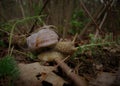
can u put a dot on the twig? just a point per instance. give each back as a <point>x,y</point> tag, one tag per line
<point>62,61</point>
<point>100,26</point>
<point>75,37</point>
<point>85,9</point>
<point>21,7</point>
<point>106,7</point>
<point>10,38</point>
<point>96,16</point>
<point>11,51</point>
<point>4,31</point>
<point>90,22</point>
<point>31,30</point>
<point>12,30</point>
<point>69,72</point>
<point>103,20</point>
<point>22,11</point>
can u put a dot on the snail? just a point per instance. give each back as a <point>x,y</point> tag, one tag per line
<point>46,37</point>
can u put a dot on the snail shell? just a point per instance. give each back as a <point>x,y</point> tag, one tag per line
<point>43,38</point>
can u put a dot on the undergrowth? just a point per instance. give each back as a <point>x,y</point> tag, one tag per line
<point>93,43</point>
<point>11,25</point>
<point>78,21</point>
<point>98,52</point>
<point>9,71</point>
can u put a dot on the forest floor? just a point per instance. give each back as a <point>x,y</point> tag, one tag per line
<point>94,64</point>
<point>98,65</point>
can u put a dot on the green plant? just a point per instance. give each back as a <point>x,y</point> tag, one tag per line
<point>37,7</point>
<point>6,26</point>
<point>93,44</point>
<point>8,67</point>
<point>8,71</point>
<point>10,26</point>
<point>88,47</point>
<point>107,38</point>
<point>78,21</point>
<point>20,21</point>
<point>30,55</point>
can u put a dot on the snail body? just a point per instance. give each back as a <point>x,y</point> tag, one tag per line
<point>65,47</point>
<point>50,56</point>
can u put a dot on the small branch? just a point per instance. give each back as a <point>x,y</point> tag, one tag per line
<point>98,44</point>
<point>4,31</point>
<point>106,7</point>
<point>75,37</point>
<point>105,16</point>
<point>78,81</point>
<point>85,9</point>
<point>10,38</point>
<point>31,30</point>
<point>90,22</point>
<point>100,26</point>
<point>22,11</point>
<point>21,7</point>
